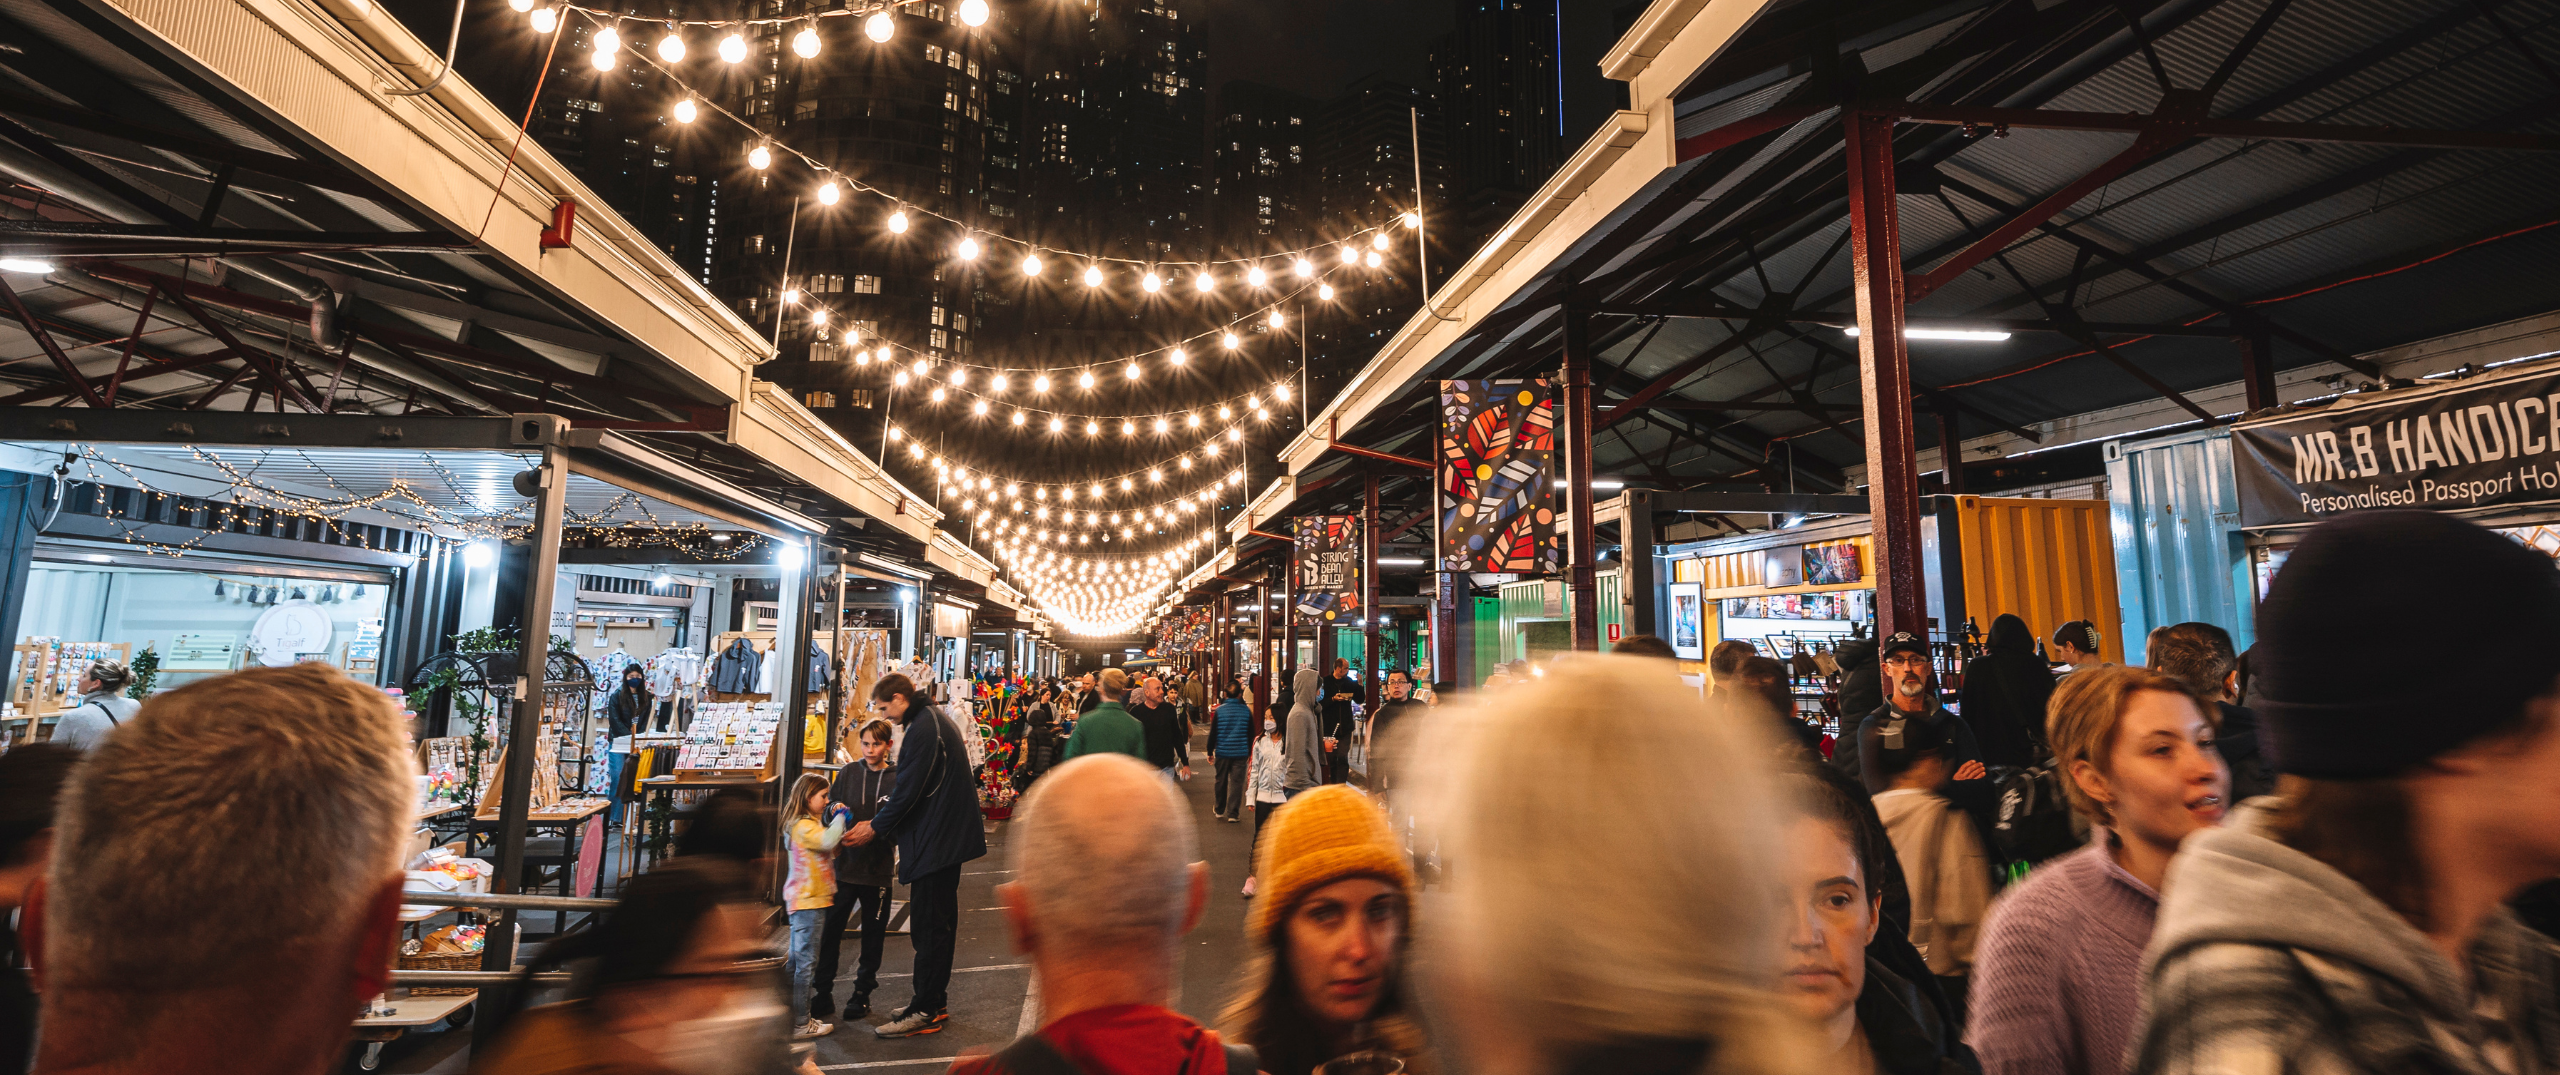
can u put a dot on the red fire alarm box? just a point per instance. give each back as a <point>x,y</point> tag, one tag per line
<point>564,223</point>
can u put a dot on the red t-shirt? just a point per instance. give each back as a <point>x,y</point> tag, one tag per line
<point>1125,1039</point>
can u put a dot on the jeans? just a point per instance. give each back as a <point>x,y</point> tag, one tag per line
<point>933,924</point>
<point>1261,812</point>
<point>617,763</point>
<point>873,902</point>
<point>1230,797</point>
<point>804,954</point>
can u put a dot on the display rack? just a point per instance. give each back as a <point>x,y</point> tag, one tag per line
<point>568,686</point>
<point>728,740</point>
<point>42,675</point>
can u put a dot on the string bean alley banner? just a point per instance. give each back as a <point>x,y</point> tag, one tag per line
<point>1497,495</point>
<point>1328,566</point>
<point>2476,443</point>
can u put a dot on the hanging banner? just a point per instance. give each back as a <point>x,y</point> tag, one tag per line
<point>2478,443</point>
<point>1328,567</point>
<point>1497,498</point>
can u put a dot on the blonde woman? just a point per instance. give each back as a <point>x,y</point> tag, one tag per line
<point>1605,909</point>
<point>2061,959</point>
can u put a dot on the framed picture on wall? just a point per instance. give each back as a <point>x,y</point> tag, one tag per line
<point>1688,622</point>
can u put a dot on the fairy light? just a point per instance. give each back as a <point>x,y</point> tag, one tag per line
<point>671,47</point>
<point>1378,241</point>
<point>1018,419</point>
<point>545,20</point>
<point>1255,277</point>
<point>759,158</point>
<point>1372,260</point>
<point>1040,383</point>
<point>1133,371</point>
<point>829,192</point>
<point>1231,341</point>
<point>1204,283</point>
<point>1304,268</point>
<point>941,394</point>
<point>685,111</point>
<point>1093,276</point>
<point>959,377</point>
<point>1030,264</point>
<point>973,12</point>
<point>1325,292</point>
<point>608,40</point>
<point>1277,321</point>
<point>1177,356</point>
<point>806,41</point>
<point>879,27</point>
<point>898,221</point>
<point>979,408</point>
<point>1057,424</point>
<point>1350,254</point>
<point>1151,283</point>
<point>733,49</point>
<point>999,382</point>
<point>1085,379</point>
<point>968,249</point>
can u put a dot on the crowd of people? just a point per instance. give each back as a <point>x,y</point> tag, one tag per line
<point>1626,878</point>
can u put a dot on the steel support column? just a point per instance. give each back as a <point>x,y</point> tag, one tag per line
<point>1884,375</point>
<point>1581,542</point>
<point>2258,369</point>
<point>1446,592</point>
<point>533,652</point>
<point>799,616</point>
<point>1635,548</point>
<point>1370,613</point>
<point>1262,647</point>
<point>1950,453</point>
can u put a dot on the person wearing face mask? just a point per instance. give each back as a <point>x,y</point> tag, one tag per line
<point>1325,975</point>
<point>626,711</point>
<point>676,986</point>
<point>1267,775</point>
<point>1872,1004</point>
<point>2061,960</point>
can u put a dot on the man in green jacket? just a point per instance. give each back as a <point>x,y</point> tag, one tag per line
<point>1109,729</point>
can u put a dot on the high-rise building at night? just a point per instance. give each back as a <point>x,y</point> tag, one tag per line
<point>1262,176</point>
<point>1496,79</point>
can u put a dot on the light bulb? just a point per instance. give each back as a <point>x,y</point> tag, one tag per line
<point>898,222</point>
<point>545,20</point>
<point>1040,383</point>
<point>879,26</point>
<point>1030,264</point>
<point>1132,369</point>
<point>1371,260</point>
<point>1205,282</point>
<point>1192,420</point>
<point>1151,283</point>
<point>923,367</point>
<point>1280,392</point>
<point>1304,267</point>
<point>733,49</point>
<point>806,42</point>
<point>940,394</point>
<point>900,379</point>
<point>959,376</point>
<point>1378,241</point>
<point>1093,429</point>
<point>1277,320</point>
<point>862,358</point>
<point>1324,291</point>
<point>1412,219</point>
<point>521,5</point>
<point>973,12</point>
<point>1057,424</point>
<point>759,158</point>
<point>1162,425</point>
<point>818,317</point>
<point>998,382</point>
<point>603,60</point>
<point>685,111</point>
<point>1177,356</point>
<point>1128,427</point>
<point>829,193</point>
<point>979,408</point>
<point>1256,277</point>
<point>608,40</point>
<point>1224,412</point>
<point>968,249</point>
<point>1232,341</point>
<point>1018,419</point>
<point>1350,254</point>
<point>671,48</point>
<point>1093,276</point>
<point>1085,379</point>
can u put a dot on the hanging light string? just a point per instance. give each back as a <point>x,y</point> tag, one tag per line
<point>1101,488</point>
<point>1230,338</point>
<point>977,240</point>
<point>1216,422</point>
<point>602,15</point>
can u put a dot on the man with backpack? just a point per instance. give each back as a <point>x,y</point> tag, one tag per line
<point>1903,662</point>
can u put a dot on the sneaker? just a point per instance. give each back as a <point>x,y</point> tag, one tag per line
<point>812,1029</point>
<point>911,1024</point>
<point>822,1006</point>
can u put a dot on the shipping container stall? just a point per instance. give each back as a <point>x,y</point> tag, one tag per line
<point>2174,513</point>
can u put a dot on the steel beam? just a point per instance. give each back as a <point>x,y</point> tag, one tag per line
<point>1262,649</point>
<point>1578,440</point>
<point>2258,370</point>
<point>533,651</point>
<point>1884,376</point>
<point>1722,312</point>
<point>61,362</point>
<point>2051,119</point>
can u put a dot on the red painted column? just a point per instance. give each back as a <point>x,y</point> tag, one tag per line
<point>1884,376</point>
<point>1369,611</point>
<point>1580,550</point>
<point>1262,645</point>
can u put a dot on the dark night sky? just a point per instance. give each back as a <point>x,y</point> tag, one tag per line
<point>1316,47</point>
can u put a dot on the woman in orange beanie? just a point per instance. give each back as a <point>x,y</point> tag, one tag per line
<point>1327,937</point>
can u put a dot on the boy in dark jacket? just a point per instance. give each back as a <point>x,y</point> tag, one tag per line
<point>863,875</point>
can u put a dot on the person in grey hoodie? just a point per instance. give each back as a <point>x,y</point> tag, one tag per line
<point>2354,921</point>
<point>1305,747</point>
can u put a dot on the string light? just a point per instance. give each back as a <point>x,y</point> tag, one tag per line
<point>1277,321</point>
<point>1304,267</point>
<point>1255,277</point>
<point>1151,282</point>
<point>1412,220</point>
<point>685,111</point>
<point>521,5</point>
<point>879,27</point>
<point>1177,356</point>
<point>973,12</point>
<point>1093,276</point>
<point>545,20</point>
<point>1030,264</point>
<point>1372,259</point>
<point>758,158</point>
<point>1379,241</point>
<point>806,42</point>
<point>1325,292</point>
<point>829,193</point>
<point>671,47</point>
<point>1204,283</point>
<point>898,221</point>
<point>733,49</point>
<point>1231,341</point>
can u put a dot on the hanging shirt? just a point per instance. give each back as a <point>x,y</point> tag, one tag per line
<point>775,675</point>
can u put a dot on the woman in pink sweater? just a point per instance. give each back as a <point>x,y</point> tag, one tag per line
<point>2061,960</point>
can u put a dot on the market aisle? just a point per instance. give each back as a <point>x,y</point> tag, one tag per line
<point>990,985</point>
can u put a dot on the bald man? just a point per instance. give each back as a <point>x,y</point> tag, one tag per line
<point>1168,735</point>
<point>1105,886</point>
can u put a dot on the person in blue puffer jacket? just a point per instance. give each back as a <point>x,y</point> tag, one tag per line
<point>1231,741</point>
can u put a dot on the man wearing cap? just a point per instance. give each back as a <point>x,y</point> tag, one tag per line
<point>1903,660</point>
<point>2355,920</point>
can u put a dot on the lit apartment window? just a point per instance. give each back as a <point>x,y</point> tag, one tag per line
<point>866,285</point>
<point>817,400</point>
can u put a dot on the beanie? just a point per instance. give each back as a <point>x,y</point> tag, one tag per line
<point>1317,838</point>
<point>2352,675</point>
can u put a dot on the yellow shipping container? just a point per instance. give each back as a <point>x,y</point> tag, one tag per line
<point>2047,561</point>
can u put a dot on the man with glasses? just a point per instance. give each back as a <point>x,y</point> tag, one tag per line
<point>1911,696</point>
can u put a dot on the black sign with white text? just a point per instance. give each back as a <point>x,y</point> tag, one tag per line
<point>2477,443</point>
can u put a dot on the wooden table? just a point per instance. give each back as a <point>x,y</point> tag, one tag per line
<point>399,1017</point>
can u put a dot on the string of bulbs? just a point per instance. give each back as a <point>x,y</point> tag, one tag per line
<point>880,26</point>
